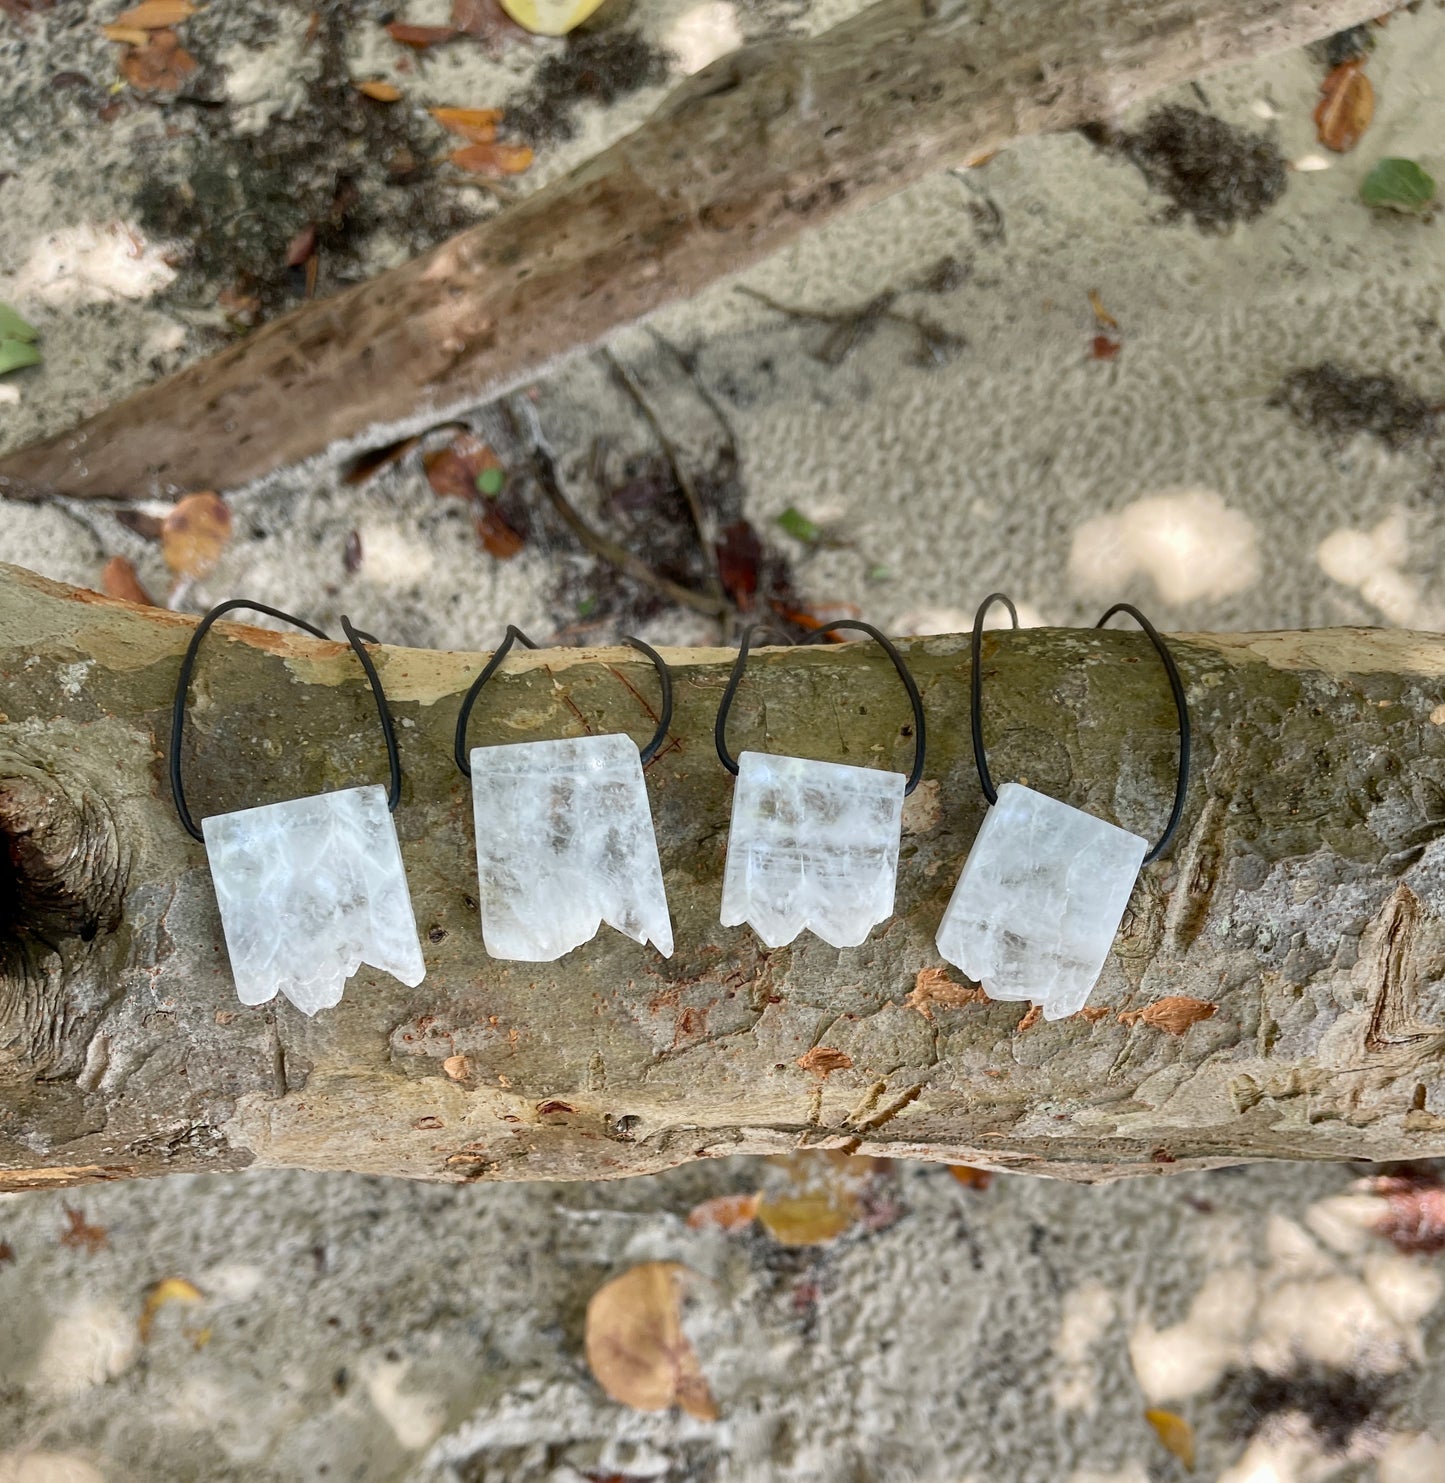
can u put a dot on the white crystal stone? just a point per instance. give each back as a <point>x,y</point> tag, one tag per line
<point>310,890</point>
<point>1041,896</point>
<point>812,844</point>
<point>564,843</point>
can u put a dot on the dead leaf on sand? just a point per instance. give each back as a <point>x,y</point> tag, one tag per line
<point>167,1290</point>
<point>731,1213</point>
<point>195,533</point>
<point>479,125</point>
<point>636,1346</point>
<point>493,159</point>
<point>1175,1433</point>
<point>118,579</point>
<point>161,65</point>
<point>1346,107</point>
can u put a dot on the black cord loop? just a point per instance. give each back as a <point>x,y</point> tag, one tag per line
<point>516,636</point>
<point>920,738</point>
<point>1176,686</point>
<point>183,684</point>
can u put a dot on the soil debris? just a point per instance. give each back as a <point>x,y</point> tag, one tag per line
<point>594,67</point>
<point>1335,1402</point>
<point>1341,404</point>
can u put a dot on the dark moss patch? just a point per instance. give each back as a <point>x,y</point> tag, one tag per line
<point>1211,171</point>
<point>1336,1403</point>
<point>1341,404</point>
<point>595,67</point>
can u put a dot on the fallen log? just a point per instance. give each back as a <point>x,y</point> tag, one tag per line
<point>758,148</point>
<point>1277,989</point>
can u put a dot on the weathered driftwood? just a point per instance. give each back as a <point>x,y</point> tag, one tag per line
<point>1305,899</point>
<point>758,148</point>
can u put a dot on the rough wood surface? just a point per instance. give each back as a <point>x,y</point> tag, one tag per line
<point>759,147</point>
<point>1303,906</point>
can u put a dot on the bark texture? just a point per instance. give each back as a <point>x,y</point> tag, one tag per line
<point>759,147</point>
<point>1304,904</point>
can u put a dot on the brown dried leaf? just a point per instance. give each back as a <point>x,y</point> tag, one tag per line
<point>125,35</point>
<point>1174,1013</point>
<point>934,986</point>
<point>381,91</point>
<point>118,579</point>
<point>160,66</point>
<point>823,1060</point>
<point>497,536</point>
<point>1176,1434</point>
<point>479,125</point>
<point>1346,107</point>
<point>78,1234</point>
<point>1414,1218</point>
<point>739,553</point>
<point>195,533</point>
<point>970,1177</point>
<point>301,246</point>
<point>419,36</point>
<point>1102,317</point>
<point>636,1346</point>
<point>1104,347</point>
<point>155,15</point>
<point>452,471</point>
<point>493,159</point>
<point>167,1290</point>
<point>377,459</point>
<point>731,1213</point>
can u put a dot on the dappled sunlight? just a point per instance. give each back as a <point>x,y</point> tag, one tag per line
<point>1188,542</point>
<point>90,264</point>
<point>703,34</point>
<point>1370,562</point>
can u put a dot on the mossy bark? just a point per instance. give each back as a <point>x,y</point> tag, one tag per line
<point>1304,900</point>
<point>756,149</point>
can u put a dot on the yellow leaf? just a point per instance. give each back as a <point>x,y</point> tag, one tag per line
<point>493,159</point>
<point>814,1196</point>
<point>167,1290</point>
<point>636,1346</point>
<point>156,15</point>
<point>195,533</point>
<point>383,92</point>
<point>479,125</point>
<point>549,17</point>
<point>1176,1434</point>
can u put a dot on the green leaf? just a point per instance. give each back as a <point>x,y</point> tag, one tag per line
<point>1399,185</point>
<point>17,353</point>
<point>799,526</point>
<point>12,327</point>
<point>587,607</point>
<point>490,482</point>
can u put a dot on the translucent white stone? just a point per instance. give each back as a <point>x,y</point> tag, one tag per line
<point>812,844</point>
<point>310,890</point>
<point>1041,896</point>
<point>564,843</point>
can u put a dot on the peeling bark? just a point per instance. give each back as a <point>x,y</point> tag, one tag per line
<point>759,147</point>
<point>1305,902</point>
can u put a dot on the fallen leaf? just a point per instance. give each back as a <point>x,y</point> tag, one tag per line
<point>155,15</point>
<point>731,1213</point>
<point>1346,107</point>
<point>301,246</point>
<point>814,1196</point>
<point>351,553</point>
<point>118,579</point>
<point>479,125</point>
<point>419,36</point>
<point>971,1178</point>
<point>493,159</point>
<point>160,66</point>
<point>78,1234</point>
<point>486,21</point>
<point>195,533</point>
<point>497,536</point>
<point>934,986</point>
<point>377,459</point>
<point>457,1067</point>
<point>382,92</point>
<point>167,1290</point>
<point>739,553</point>
<point>17,341</point>
<point>1399,185</point>
<point>1102,317</point>
<point>823,1060</point>
<point>1174,1014</point>
<point>799,526</point>
<point>452,471</point>
<point>1176,1434</point>
<point>125,35</point>
<point>636,1346</point>
<point>1414,1218</point>
<point>7,1253</point>
<point>1104,347</point>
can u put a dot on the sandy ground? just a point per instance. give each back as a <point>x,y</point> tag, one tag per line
<point>355,1329</point>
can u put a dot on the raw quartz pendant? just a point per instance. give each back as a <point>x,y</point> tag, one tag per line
<point>564,843</point>
<point>310,890</point>
<point>812,844</point>
<point>1041,896</point>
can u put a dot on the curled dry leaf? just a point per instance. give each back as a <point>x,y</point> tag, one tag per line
<point>479,125</point>
<point>452,471</point>
<point>636,1346</point>
<point>1345,108</point>
<point>934,986</point>
<point>493,159</point>
<point>731,1213</point>
<point>1175,1433</point>
<point>380,91</point>
<point>419,36</point>
<point>167,1290</point>
<point>1173,1014</point>
<point>160,66</point>
<point>971,1178</point>
<point>155,15</point>
<point>195,533</point>
<point>823,1060</point>
<point>1414,1216</point>
<point>813,1196</point>
<point>1102,317</point>
<point>118,579</point>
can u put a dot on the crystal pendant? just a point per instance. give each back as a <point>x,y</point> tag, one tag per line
<point>1041,896</point>
<point>564,843</point>
<point>310,890</point>
<point>812,844</point>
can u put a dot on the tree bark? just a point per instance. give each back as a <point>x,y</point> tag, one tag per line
<point>1303,905</point>
<point>759,147</point>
